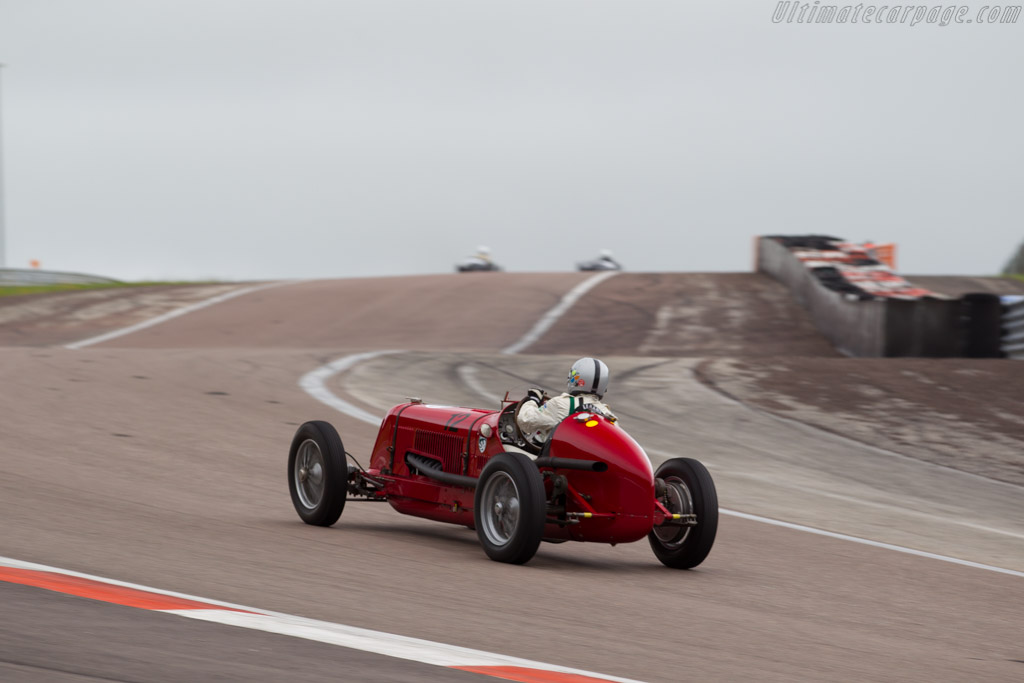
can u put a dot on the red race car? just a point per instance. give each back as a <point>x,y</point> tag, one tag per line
<point>589,482</point>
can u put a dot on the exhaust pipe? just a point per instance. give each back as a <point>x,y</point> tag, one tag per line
<point>429,467</point>
<point>572,464</point>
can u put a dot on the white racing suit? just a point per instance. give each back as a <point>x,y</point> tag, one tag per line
<point>536,422</point>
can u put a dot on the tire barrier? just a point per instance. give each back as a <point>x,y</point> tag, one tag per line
<point>880,314</point>
<point>1011,341</point>
<point>849,268</point>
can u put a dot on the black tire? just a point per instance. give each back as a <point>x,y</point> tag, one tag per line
<point>689,489</point>
<point>510,479</point>
<point>317,473</point>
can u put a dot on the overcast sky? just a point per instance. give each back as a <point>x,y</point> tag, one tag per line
<point>185,139</point>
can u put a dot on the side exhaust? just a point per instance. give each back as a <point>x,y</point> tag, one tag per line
<point>431,468</point>
<point>572,464</point>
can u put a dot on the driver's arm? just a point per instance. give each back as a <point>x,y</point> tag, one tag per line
<point>542,417</point>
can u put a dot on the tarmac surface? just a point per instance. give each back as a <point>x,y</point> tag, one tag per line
<point>159,458</point>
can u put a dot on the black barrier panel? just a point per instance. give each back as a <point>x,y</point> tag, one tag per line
<point>816,242</point>
<point>982,316</point>
<point>923,328</point>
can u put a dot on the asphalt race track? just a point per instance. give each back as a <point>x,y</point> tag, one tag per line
<point>158,458</point>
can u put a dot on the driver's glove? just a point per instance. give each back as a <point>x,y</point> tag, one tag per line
<point>535,395</point>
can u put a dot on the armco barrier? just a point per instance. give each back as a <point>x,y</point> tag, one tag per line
<point>1013,327</point>
<point>26,277</point>
<point>871,328</point>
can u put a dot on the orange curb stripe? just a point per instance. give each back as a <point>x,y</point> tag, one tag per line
<point>524,675</point>
<point>105,592</point>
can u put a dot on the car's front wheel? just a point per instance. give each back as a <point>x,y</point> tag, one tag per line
<point>688,490</point>
<point>510,508</point>
<point>317,473</point>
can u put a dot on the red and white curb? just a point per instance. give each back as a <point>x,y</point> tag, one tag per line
<point>378,642</point>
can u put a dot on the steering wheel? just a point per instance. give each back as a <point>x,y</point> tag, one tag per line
<point>509,431</point>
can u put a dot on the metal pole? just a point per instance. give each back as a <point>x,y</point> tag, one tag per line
<point>3,204</point>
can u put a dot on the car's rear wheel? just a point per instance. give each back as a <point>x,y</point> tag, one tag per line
<point>317,473</point>
<point>689,490</point>
<point>509,508</point>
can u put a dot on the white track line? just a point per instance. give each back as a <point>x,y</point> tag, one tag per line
<point>314,383</point>
<point>378,642</point>
<point>468,375</point>
<point>931,516</point>
<point>552,316</point>
<point>864,541</point>
<point>173,314</point>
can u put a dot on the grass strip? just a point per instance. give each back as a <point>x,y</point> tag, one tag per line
<point>19,290</point>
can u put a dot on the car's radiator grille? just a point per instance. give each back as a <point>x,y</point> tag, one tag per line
<point>448,447</point>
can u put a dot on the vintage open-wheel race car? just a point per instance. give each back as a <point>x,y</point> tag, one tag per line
<point>590,481</point>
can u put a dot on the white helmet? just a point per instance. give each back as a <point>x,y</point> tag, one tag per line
<point>588,376</point>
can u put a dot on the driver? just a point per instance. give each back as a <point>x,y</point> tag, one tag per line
<point>588,380</point>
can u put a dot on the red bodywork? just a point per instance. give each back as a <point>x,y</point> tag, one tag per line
<point>617,505</point>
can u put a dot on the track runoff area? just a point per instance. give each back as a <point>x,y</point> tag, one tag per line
<point>413,649</point>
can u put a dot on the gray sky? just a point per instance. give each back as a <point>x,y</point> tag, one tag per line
<point>265,139</point>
